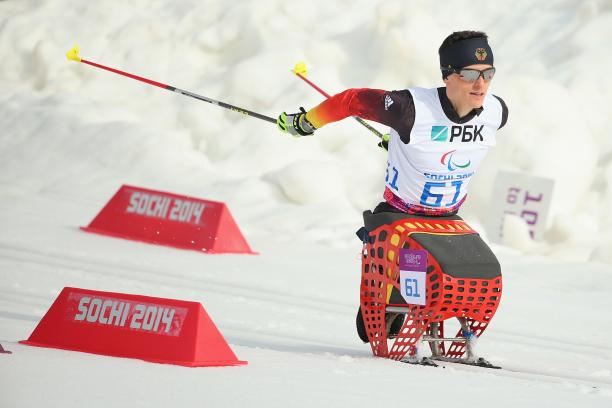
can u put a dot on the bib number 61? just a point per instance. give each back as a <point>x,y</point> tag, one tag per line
<point>433,199</point>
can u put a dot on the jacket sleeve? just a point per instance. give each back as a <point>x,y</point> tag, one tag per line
<point>392,108</point>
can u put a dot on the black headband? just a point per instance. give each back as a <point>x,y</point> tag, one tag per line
<point>466,52</point>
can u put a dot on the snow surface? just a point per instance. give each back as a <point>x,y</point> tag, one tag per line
<point>70,135</point>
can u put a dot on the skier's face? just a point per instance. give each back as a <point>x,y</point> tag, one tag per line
<point>464,94</point>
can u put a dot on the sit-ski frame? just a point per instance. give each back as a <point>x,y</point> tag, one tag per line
<point>434,343</point>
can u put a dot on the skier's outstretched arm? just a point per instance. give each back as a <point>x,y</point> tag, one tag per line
<point>392,108</point>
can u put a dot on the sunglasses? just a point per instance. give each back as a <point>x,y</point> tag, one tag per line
<point>472,75</point>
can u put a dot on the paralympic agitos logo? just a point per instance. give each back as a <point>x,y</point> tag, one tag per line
<point>467,133</point>
<point>454,162</point>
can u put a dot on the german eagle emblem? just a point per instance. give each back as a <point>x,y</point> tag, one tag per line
<point>481,54</point>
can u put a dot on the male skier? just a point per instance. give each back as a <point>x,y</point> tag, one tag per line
<point>438,136</point>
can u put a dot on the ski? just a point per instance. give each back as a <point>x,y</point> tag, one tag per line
<point>434,362</point>
<point>425,361</point>
<point>479,362</point>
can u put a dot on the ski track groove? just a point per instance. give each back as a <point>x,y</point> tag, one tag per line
<point>15,297</point>
<point>255,336</point>
<point>593,350</point>
<point>10,293</point>
<point>530,374</point>
<point>19,316</point>
<point>177,281</point>
<point>548,339</point>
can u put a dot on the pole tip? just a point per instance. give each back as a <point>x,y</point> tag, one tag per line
<point>73,54</point>
<point>300,68</point>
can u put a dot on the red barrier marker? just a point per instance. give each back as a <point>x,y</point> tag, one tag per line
<point>133,326</point>
<point>170,219</point>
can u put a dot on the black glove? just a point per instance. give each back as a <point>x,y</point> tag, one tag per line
<point>295,124</point>
<point>384,142</point>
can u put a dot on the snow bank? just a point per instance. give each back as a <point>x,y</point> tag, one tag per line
<point>65,124</point>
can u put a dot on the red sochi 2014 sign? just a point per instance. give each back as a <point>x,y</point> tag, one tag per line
<point>170,219</point>
<point>117,324</point>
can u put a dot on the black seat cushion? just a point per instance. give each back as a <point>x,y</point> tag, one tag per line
<point>460,256</point>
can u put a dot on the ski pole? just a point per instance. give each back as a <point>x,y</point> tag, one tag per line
<point>73,55</point>
<point>300,71</point>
